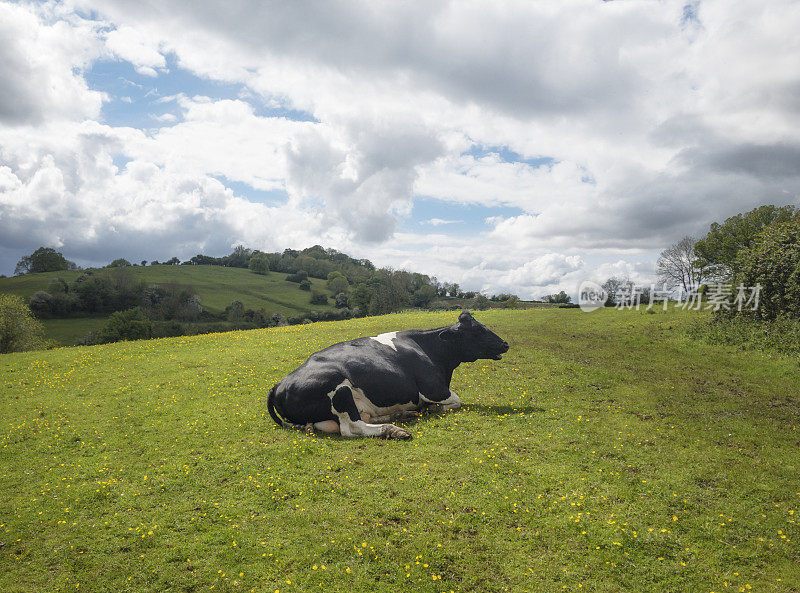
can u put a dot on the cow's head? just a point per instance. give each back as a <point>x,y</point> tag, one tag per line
<point>473,339</point>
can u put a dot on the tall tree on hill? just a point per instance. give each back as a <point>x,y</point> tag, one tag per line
<point>44,259</point>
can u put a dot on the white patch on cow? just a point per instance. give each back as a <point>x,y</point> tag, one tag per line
<point>348,427</point>
<point>451,403</point>
<point>367,409</point>
<point>359,428</point>
<point>386,339</point>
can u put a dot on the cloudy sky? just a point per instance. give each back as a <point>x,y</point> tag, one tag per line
<point>520,146</point>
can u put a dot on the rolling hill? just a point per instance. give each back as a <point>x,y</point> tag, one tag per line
<point>216,286</point>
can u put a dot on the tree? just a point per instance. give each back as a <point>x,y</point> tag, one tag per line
<point>119,263</point>
<point>481,302</point>
<point>259,263</point>
<point>174,261</point>
<point>143,263</point>
<point>716,252</point>
<point>512,302</point>
<point>341,301</point>
<point>44,259</point>
<point>132,324</point>
<point>18,329</point>
<point>298,276</point>
<point>234,311</point>
<point>676,266</point>
<point>612,287</point>
<point>773,262</point>
<point>559,297</point>
<point>240,258</point>
<point>360,297</point>
<point>305,285</point>
<point>423,296</point>
<point>318,297</point>
<point>338,283</point>
<point>454,288</point>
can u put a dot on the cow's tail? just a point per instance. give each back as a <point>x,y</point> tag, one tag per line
<point>272,412</point>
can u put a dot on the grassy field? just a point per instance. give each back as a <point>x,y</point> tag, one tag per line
<point>217,287</point>
<point>605,452</point>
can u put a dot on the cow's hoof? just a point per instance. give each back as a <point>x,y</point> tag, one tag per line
<point>309,428</point>
<point>390,431</point>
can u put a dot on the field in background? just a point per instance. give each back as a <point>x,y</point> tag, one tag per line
<point>605,452</point>
<point>217,287</point>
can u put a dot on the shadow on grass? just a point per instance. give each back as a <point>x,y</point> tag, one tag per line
<point>425,415</point>
<point>500,410</point>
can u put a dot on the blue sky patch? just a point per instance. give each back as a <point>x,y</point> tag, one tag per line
<point>507,155</point>
<point>134,97</point>
<point>273,197</point>
<point>461,219</point>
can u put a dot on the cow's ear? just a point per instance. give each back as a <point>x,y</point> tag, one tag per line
<point>466,318</point>
<point>448,334</point>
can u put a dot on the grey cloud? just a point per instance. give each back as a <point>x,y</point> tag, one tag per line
<point>19,97</point>
<point>518,61</point>
<point>765,161</point>
<point>360,185</point>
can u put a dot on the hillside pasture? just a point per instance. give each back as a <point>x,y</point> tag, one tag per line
<point>216,286</point>
<point>605,452</point>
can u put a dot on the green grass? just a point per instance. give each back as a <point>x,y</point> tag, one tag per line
<point>605,452</point>
<point>217,287</point>
<point>67,332</point>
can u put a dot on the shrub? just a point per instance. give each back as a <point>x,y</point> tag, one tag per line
<point>305,285</point>
<point>341,301</point>
<point>481,303</point>
<point>298,276</point>
<point>41,304</point>
<point>132,324</point>
<point>748,333</point>
<point>318,298</point>
<point>559,297</point>
<point>773,262</point>
<point>423,295</point>
<point>234,311</point>
<point>19,330</point>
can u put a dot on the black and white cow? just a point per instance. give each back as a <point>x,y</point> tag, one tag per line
<point>352,387</point>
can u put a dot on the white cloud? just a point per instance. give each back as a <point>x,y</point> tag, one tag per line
<point>655,125</point>
<point>40,65</point>
<point>138,48</point>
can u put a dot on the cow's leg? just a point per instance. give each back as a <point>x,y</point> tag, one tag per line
<point>453,402</point>
<point>328,426</point>
<point>350,423</point>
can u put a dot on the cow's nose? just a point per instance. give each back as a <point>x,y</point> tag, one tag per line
<point>505,346</point>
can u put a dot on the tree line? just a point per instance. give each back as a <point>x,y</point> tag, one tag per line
<point>756,248</point>
<point>355,288</point>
